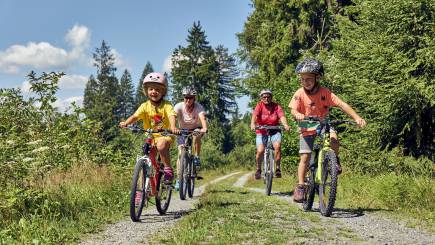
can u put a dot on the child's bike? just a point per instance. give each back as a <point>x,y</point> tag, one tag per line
<point>187,169</point>
<point>322,174</point>
<point>148,177</point>
<point>269,157</point>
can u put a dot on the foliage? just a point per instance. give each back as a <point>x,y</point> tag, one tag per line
<point>37,141</point>
<point>126,98</point>
<point>102,94</point>
<point>383,62</point>
<point>139,95</point>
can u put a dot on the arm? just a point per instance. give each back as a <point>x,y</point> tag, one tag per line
<point>253,121</point>
<point>203,123</point>
<point>172,124</point>
<point>283,121</point>
<point>130,120</point>
<point>349,111</point>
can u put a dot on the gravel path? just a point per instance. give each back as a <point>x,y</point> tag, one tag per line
<point>128,232</point>
<point>370,227</point>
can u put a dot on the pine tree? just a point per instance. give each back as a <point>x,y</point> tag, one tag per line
<point>104,104</point>
<point>126,95</point>
<point>139,96</point>
<point>194,65</point>
<point>225,105</point>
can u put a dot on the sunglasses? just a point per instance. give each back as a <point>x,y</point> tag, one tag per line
<point>189,98</point>
<point>266,97</point>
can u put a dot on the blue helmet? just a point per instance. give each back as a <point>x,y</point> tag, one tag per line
<point>310,66</point>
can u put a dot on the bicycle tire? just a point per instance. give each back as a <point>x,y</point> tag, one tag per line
<point>310,190</point>
<point>183,172</point>
<point>191,183</point>
<point>269,172</point>
<point>138,186</point>
<point>164,193</point>
<point>328,185</point>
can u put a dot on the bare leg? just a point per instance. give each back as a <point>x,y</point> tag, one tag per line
<point>302,169</point>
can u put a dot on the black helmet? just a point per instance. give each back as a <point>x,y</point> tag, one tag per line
<point>310,66</point>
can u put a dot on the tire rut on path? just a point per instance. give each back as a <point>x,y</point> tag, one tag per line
<point>128,232</point>
<point>372,228</point>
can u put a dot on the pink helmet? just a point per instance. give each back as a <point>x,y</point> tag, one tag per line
<point>156,78</point>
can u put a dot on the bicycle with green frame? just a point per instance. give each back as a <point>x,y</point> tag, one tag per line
<point>322,174</point>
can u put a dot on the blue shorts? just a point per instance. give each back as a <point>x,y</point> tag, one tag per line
<point>262,139</point>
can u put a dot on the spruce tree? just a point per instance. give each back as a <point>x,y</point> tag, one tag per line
<point>104,106</point>
<point>126,95</point>
<point>139,95</point>
<point>194,65</point>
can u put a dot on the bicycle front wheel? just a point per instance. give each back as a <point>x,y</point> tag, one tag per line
<point>268,171</point>
<point>328,185</point>
<point>192,175</point>
<point>183,179</point>
<point>138,194</point>
<point>164,193</point>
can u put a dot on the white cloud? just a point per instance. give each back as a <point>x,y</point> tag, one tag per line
<point>119,61</point>
<point>25,87</point>
<point>78,36</point>
<point>43,55</point>
<point>167,64</point>
<point>65,104</point>
<point>72,82</point>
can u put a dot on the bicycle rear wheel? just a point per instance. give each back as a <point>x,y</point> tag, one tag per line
<point>328,185</point>
<point>138,194</point>
<point>183,179</point>
<point>268,171</point>
<point>191,183</point>
<point>164,193</point>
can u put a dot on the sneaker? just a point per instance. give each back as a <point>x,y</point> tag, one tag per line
<point>177,186</point>
<point>138,198</point>
<point>278,173</point>
<point>197,163</point>
<point>169,174</point>
<point>298,194</point>
<point>258,174</point>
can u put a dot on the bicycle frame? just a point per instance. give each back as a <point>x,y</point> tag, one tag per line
<point>267,152</point>
<point>324,146</point>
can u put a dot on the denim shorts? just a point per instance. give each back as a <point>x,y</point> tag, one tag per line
<point>262,139</point>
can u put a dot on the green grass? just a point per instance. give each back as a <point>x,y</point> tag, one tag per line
<point>72,203</point>
<point>230,215</point>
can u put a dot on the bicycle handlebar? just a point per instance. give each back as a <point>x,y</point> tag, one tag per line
<point>136,129</point>
<point>268,127</point>
<point>312,119</point>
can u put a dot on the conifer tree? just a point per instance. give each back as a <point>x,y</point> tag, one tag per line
<point>139,95</point>
<point>194,65</point>
<point>104,104</point>
<point>126,95</point>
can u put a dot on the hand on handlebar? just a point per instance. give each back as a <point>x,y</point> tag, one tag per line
<point>123,124</point>
<point>175,130</point>
<point>299,117</point>
<point>361,122</point>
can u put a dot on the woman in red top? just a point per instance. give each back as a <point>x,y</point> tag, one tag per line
<point>269,113</point>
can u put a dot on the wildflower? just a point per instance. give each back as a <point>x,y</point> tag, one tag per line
<point>41,149</point>
<point>34,142</point>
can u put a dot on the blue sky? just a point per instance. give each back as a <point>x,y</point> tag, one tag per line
<point>53,35</point>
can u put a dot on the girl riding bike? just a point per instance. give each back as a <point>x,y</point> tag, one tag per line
<point>157,113</point>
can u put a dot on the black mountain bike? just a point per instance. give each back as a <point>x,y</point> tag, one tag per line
<point>187,171</point>
<point>269,157</point>
<point>322,174</point>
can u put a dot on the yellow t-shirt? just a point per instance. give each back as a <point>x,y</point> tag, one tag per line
<point>155,117</point>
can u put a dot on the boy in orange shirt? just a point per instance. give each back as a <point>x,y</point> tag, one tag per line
<point>313,100</point>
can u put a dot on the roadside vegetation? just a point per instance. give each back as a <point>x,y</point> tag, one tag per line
<point>67,173</point>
